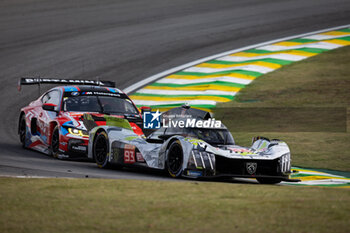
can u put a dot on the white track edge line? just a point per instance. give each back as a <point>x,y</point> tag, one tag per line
<point>153,78</point>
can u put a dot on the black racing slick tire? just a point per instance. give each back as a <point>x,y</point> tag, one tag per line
<point>55,142</point>
<point>174,163</point>
<point>100,150</point>
<point>22,130</point>
<point>268,180</point>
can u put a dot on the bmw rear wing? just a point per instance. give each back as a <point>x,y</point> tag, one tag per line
<point>38,81</point>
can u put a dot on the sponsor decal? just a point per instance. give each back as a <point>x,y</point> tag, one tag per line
<point>242,151</point>
<point>74,93</point>
<point>139,157</point>
<point>251,167</point>
<point>101,93</point>
<point>239,150</point>
<point>194,141</point>
<point>129,154</point>
<point>194,173</point>
<point>68,81</point>
<point>80,148</point>
<point>197,142</point>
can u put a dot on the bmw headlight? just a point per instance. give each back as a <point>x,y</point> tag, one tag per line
<point>78,132</point>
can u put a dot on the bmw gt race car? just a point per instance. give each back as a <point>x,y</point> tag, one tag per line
<point>191,152</point>
<point>53,124</point>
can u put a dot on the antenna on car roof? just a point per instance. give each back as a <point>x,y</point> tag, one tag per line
<point>98,80</point>
<point>186,106</point>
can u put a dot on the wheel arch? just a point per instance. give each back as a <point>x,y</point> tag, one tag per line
<point>171,141</point>
<point>19,120</point>
<point>168,144</point>
<point>53,124</point>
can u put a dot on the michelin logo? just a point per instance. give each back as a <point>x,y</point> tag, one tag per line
<point>151,120</point>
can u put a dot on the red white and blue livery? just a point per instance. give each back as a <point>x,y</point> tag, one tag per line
<point>53,123</point>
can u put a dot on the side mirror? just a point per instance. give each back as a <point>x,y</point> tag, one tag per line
<point>49,107</point>
<point>145,109</point>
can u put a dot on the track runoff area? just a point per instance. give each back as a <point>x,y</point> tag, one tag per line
<point>208,81</point>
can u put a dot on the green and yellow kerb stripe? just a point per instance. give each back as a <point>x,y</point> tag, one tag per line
<point>219,80</point>
<point>318,177</point>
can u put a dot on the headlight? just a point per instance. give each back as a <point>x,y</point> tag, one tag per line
<point>285,162</point>
<point>201,160</point>
<point>78,132</point>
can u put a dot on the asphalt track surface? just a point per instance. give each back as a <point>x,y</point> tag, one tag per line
<point>127,41</point>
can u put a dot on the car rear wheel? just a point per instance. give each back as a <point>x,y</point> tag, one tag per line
<point>268,180</point>
<point>175,159</point>
<point>22,130</point>
<point>100,150</point>
<point>55,142</point>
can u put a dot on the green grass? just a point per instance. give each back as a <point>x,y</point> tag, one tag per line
<point>315,140</point>
<point>96,205</point>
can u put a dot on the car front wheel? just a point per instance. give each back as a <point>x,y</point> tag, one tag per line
<point>175,159</point>
<point>100,150</point>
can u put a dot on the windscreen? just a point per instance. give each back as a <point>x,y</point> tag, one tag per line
<point>211,136</point>
<point>101,104</point>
